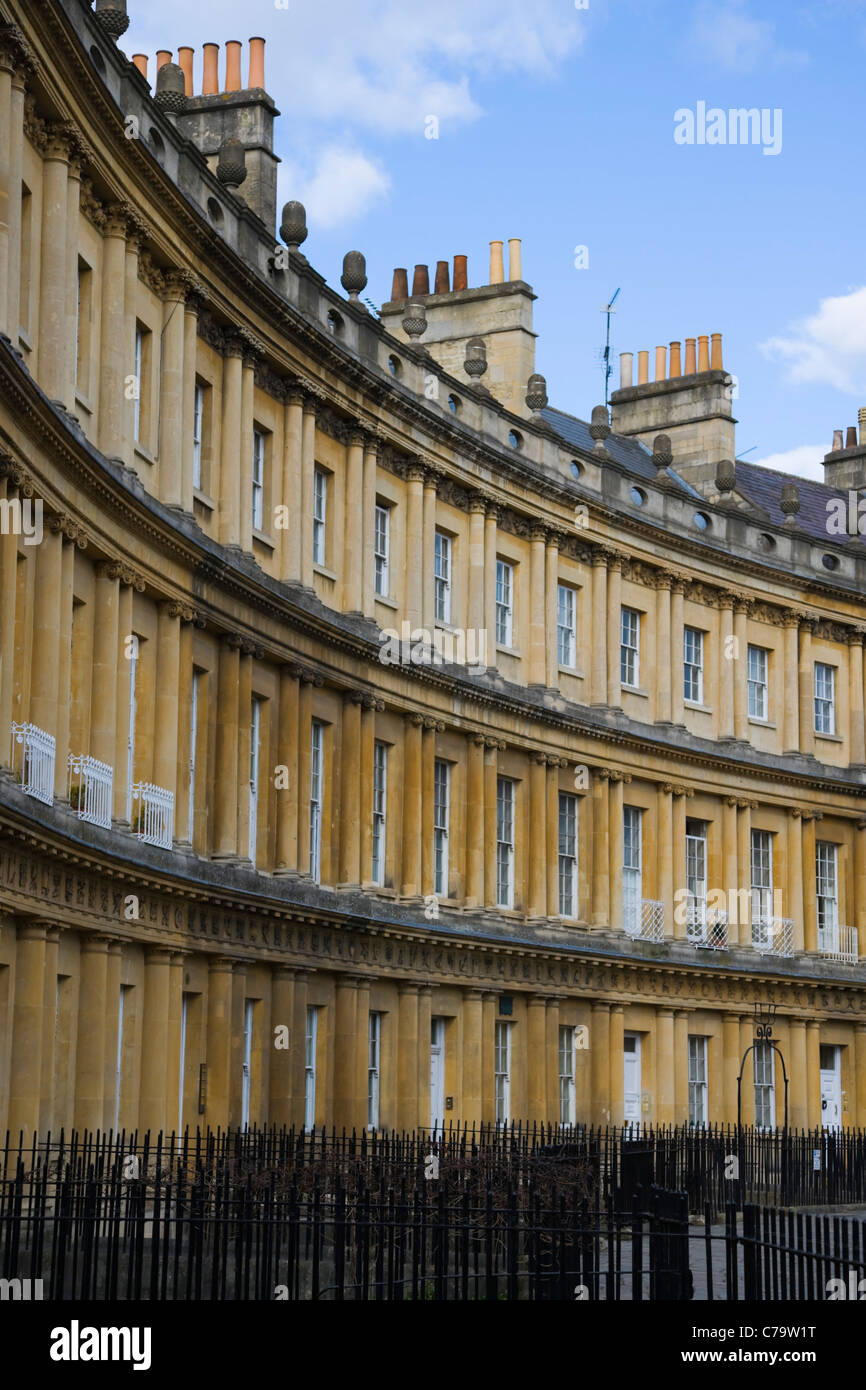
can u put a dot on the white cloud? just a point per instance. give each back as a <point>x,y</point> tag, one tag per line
<point>803,462</point>
<point>725,32</point>
<point>829,347</point>
<point>341,187</point>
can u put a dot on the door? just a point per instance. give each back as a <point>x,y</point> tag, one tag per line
<point>248,1057</point>
<point>631,1079</point>
<point>831,1088</point>
<point>437,1073</point>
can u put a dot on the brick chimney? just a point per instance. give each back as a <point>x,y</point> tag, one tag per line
<point>691,404</point>
<point>845,465</point>
<point>500,312</point>
<point>238,112</point>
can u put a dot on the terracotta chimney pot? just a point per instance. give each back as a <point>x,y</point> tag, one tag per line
<point>420,281</point>
<point>661,364</point>
<point>233,65</point>
<point>257,63</point>
<point>716,354</point>
<point>837,441</point>
<point>140,61</point>
<point>184,58</point>
<point>626,369</point>
<point>497,271</point>
<point>691,368</point>
<point>851,437</point>
<point>400,284</point>
<point>461,274</point>
<point>703,353</point>
<point>163,56</point>
<point>642,368</point>
<point>441,285</point>
<point>210,84</point>
<point>515,271</point>
<point>676,367</point>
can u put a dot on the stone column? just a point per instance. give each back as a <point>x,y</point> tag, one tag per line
<point>731,1057</point>
<point>552,1030</point>
<point>362,1043</point>
<point>490,547</point>
<point>287,780</point>
<point>599,1043</point>
<point>538,833</point>
<point>799,1087</point>
<point>860,883</point>
<point>183,831</point>
<point>411,866</point>
<point>414,544</point>
<point>252,353</point>
<point>664,836</point>
<point>47,601</point>
<point>219,1040</point>
<point>350,769</point>
<point>353,544</point>
<point>488,1045</point>
<point>616,847</point>
<point>742,608</point>
<point>617,1064</point>
<point>174,1079</point>
<point>681,1066</point>
<point>678,854</point>
<point>491,775</point>
<point>537,607</point>
<point>600,636</point>
<point>428,773</point>
<point>171,414</point>
<point>347,1044</point>
<point>305,735</point>
<point>536,1071</point>
<point>232,458</point>
<point>369,705</point>
<point>8,56</point>
<point>25,1072</point>
<point>407,1057</point>
<point>747,1110</point>
<point>114,363</point>
<point>552,843</point>
<point>730,859</point>
<point>665,1064</point>
<point>795,875</point>
<point>103,697</point>
<point>614,630</point>
<point>225,839</point>
<point>112,1113</point>
<point>678,588</point>
<point>154,1055</point>
<point>813,1074</point>
<point>51,372</point>
<point>8,585</point>
<point>664,664</point>
<point>470,1110</point>
<point>244,740</point>
<point>475,821</point>
<point>551,610</point>
<point>298,1050</point>
<point>857,747</point>
<point>123,773</point>
<point>601,847</point>
<point>195,298</point>
<point>428,552</point>
<point>308,482</point>
<point>167,690</point>
<point>476,564</point>
<point>49,1015</point>
<point>64,668</point>
<point>860,1073</point>
<point>90,1053</point>
<point>135,238</point>
<point>742,931</point>
<point>21,69</point>
<point>790,671</point>
<point>810,907</point>
<point>371,462</point>
<point>807,688</point>
<point>290,489</point>
<point>425,1011</point>
<point>731,661</point>
<point>280,1089</point>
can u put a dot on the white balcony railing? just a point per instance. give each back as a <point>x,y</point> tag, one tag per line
<point>706,927</point>
<point>838,943</point>
<point>644,920</point>
<point>154,823</point>
<point>90,789</point>
<point>773,936</point>
<point>37,761</point>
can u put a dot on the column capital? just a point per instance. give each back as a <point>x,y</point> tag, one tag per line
<point>60,523</point>
<point>855,636</point>
<point>413,718</point>
<point>158,955</point>
<point>408,986</point>
<point>478,502</point>
<point>431,724</point>
<point>177,608</point>
<point>220,965</point>
<point>678,584</point>
<point>416,471</point>
<point>790,617</point>
<point>16,55</point>
<point>497,743</point>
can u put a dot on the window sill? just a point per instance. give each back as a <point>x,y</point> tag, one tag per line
<point>829,738</point>
<point>85,402</point>
<point>202,497</point>
<point>509,651</point>
<point>635,690</point>
<point>24,339</point>
<point>697,706</point>
<point>762,723</point>
<point>572,671</point>
<point>387,601</point>
<point>264,540</point>
<point>143,453</point>
<point>325,573</point>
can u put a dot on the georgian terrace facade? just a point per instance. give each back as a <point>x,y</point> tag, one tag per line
<point>372,755</point>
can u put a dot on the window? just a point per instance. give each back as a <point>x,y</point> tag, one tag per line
<point>565,625</point>
<point>765,1088</point>
<point>696,879</point>
<point>567,1108</point>
<point>697,1080</point>
<point>632,872</point>
<point>762,887</point>
<point>826,888</point>
<point>247,1063</point>
<point>504,842</point>
<point>373,1063</point>
<point>141,400</point>
<point>693,665</point>
<point>132,645</point>
<point>758,683</point>
<point>255,739</point>
<point>258,479</point>
<point>629,661</point>
<point>502,1072</point>
<point>197,434</point>
<point>320,503</point>
<point>442,577</point>
<point>83,310</point>
<point>567,855</point>
<point>26,268</point>
<point>310,1040</point>
<point>184,1026</point>
<point>316,760</point>
<point>118,1069</point>
<point>382,548</point>
<point>441,816</point>
<point>825,698</point>
<point>193,741</point>
<point>504,603</point>
<point>380,791</point>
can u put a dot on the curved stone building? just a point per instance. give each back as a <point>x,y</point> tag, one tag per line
<point>380,745</point>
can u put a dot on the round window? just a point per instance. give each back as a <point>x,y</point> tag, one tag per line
<point>702,521</point>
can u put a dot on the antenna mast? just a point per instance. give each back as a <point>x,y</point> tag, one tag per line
<point>608,309</point>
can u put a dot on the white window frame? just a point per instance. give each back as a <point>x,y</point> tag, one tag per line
<point>697,1073</point>
<point>764,1074</point>
<point>758,681</point>
<point>139,366</point>
<point>827,886</point>
<point>255,760</point>
<point>441,825</point>
<point>197,434</point>
<point>693,665</point>
<point>382,550</point>
<point>502,1071</point>
<point>629,652</point>
<point>374,1063</point>
<point>761,885</point>
<point>380,810</point>
<point>317,764</point>
<point>632,868</point>
<point>258,466</point>
<point>505,807</point>
<point>320,515</point>
<point>193,741</point>
<point>443,554</point>
<point>247,1063</point>
<point>567,855</point>
<point>566,625</point>
<point>504,604</point>
<point>696,879</point>
<point>130,737</point>
<point>567,1088</point>
<point>825,698</point>
<point>311,1037</point>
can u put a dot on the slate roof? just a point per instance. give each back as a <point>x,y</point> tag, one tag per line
<point>764,487</point>
<point>631,454</point>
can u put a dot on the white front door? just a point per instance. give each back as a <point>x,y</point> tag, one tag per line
<point>831,1088</point>
<point>437,1073</point>
<point>631,1079</point>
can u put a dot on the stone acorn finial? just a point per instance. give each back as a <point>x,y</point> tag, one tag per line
<point>232,167</point>
<point>536,393</point>
<point>663,454</point>
<point>475,363</point>
<point>112,18</point>
<point>354,276</point>
<point>293,227</point>
<point>170,95</point>
<point>599,427</point>
<point>414,320</point>
<point>726,475</point>
<point>790,503</point>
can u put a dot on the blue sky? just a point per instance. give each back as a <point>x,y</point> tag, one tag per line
<point>556,125</point>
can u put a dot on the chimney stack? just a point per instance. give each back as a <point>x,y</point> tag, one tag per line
<point>184,58</point>
<point>441,285</point>
<point>497,272</point>
<point>420,281</point>
<point>400,284</point>
<point>461,277</point>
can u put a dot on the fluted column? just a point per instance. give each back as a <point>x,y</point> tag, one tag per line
<point>47,601</point>
<point>538,831</point>
<point>232,459</point>
<point>280,1089</point>
<point>537,607</point>
<point>470,1110</point>
<point>475,821</point>
<point>551,607</point>
<point>8,596</point>
<point>732,666</point>
<point>428,548</point>
<point>371,461</point>
<point>790,684</point>
<point>678,588</point>
<point>407,1057</point>
<point>614,630</point>
<point>476,566</point>
<point>810,908</point>
<point>219,1040</point>
<point>491,773</point>
<point>807,688</point>
<point>167,690</point>
<point>799,1087</point>
<point>601,847</point>
<point>681,1066</point>
<point>51,371</point>
<point>25,1072</point>
<point>287,782</point>
<point>414,571</point>
<point>296,519</point>
<point>678,836</point>
<point>857,747</point>
<point>665,1064</point>
<point>171,358</point>
<point>411,868</point>
<point>90,1052</point>
<point>491,524</point>
<point>731,1058</point>
<point>252,353</point>
<point>795,875</point>
<point>742,607</point>
<point>663,669</point>
<point>226,773</point>
<point>425,1011</point>
<point>600,636</point>
<point>617,1064</point>
<point>428,759</point>
<point>664,840</point>
<point>813,1074</point>
<point>113,362</point>
<point>369,705</point>
<point>347,1043</point>
<point>536,1070</point>
<point>599,1044</point>
<point>353,544</point>
<point>350,766</point>
<point>551,848</point>
<point>154,1056</point>
<point>308,481</point>
<point>616,847</point>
